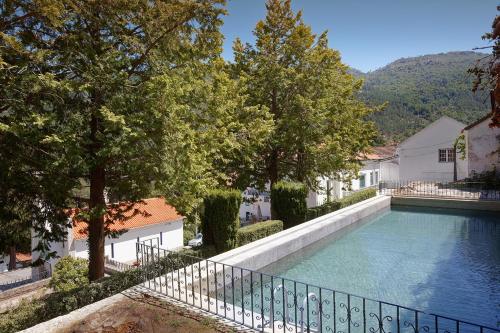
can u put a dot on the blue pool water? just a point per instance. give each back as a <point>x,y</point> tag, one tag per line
<point>440,261</point>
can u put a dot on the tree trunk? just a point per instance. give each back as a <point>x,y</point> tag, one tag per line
<point>273,175</point>
<point>97,205</point>
<point>96,223</point>
<point>12,259</point>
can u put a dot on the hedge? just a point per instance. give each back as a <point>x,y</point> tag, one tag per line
<point>257,231</point>
<point>288,203</point>
<point>30,313</point>
<point>220,220</point>
<point>334,205</point>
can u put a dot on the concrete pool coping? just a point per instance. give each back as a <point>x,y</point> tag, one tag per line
<point>270,249</point>
<point>452,203</point>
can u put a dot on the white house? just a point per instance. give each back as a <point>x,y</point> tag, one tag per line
<point>157,223</point>
<point>368,176</point>
<point>256,206</point>
<point>429,155</point>
<point>482,148</point>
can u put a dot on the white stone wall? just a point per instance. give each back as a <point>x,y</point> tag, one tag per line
<point>419,157</point>
<point>256,203</point>
<point>482,148</point>
<point>124,247</point>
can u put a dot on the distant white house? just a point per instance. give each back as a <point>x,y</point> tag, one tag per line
<point>429,155</point>
<point>157,224</point>
<point>256,206</point>
<point>368,176</point>
<point>482,144</point>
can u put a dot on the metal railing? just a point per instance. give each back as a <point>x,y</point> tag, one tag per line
<point>436,189</point>
<point>274,304</point>
<point>42,274</point>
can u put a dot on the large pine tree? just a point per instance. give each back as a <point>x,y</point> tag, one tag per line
<point>120,96</point>
<point>320,125</point>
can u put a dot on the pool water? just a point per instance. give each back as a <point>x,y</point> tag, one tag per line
<point>435,260</point>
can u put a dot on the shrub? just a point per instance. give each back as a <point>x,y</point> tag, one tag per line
<point>334,205</point>
<point>69,273</point>
<point>257,231</point>
<point>221,218</point>
<point>358,197</point>
<point>288,202</point>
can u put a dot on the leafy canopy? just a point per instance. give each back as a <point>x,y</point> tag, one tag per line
<point>320,125</point>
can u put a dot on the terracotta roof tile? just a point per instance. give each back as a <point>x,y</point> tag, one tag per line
<point>20,257</point>
<point>151,211</point>
<point>379,153</point>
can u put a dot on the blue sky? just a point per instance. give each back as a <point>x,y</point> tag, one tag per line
<point>371,33</point>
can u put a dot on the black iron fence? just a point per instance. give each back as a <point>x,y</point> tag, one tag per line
<point>433,189</point>
<point>274,304</point>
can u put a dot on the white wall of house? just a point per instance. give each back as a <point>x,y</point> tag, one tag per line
<point>368,176</point>
<point>123,248</point>
<point>389,170</point>
<point>168,236</point>
<point>419,155</point>
<point>481,149</point>
<point>256,205</point>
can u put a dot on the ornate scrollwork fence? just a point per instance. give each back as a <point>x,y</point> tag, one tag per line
<point>275,304</point>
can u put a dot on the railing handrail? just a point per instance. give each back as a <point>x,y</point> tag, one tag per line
<point>319,287</point>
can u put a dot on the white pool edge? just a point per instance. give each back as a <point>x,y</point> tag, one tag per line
<point>270,249</point>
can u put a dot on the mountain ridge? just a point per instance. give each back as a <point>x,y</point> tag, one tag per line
<point>421,89</point>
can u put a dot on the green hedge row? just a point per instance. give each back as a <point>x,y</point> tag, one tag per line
<point>257,231</point>
<point>288,202</point>
<point>33,312</point>
<point>220,220</point>
<point>338,204</point>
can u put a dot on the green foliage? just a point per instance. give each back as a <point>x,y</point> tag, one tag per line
<point>334,205</point>
<point>319,123</point>
<point>27,314</point>
<point>257,231</point>
<point>128,97</point>
<point>289,202</point>
<point>220,220</point>
<point>421,89</point>
<point>69,273</point>
<point>204,251</point>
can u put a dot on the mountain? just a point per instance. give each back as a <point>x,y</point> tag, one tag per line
<point>421,89</point>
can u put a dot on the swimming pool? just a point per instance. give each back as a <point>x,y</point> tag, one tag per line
<point>436,260</point>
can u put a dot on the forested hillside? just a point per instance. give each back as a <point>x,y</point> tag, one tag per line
<point>421,89</point>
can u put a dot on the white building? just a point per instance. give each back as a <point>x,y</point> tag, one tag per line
<point>429,155</point>
<point>256,206</point>
<point>157,223</point>
<point>368,176</point>
<point>482,145</point>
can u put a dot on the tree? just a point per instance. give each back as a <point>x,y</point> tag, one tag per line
<point>320,125</point>
<point>487,71</point>
<point>74,93</point>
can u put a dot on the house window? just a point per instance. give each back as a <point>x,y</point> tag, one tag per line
<point>161,238</point>
<point>446,155</point>
<point>371,178</point>
<point>362,181</point>
<point>112,250</point>
<point>376,176</point>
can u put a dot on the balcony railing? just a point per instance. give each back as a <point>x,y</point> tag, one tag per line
<point>269,303</point>
<point>436,189</point>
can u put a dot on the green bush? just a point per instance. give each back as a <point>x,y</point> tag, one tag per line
<point>257,231</point>
<point>288,202</point>
<point>69,273</point>
<point>220,220</point>
<point>334,205</point>
<point>358,197</point>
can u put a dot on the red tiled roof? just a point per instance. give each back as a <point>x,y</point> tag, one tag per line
<point>147,212</point>
<point>379,153</point>
<point>20,257</point>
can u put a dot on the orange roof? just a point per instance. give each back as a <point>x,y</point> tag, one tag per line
<point>133,215</point>
<point>20,257</point>
<point>379,153</point>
